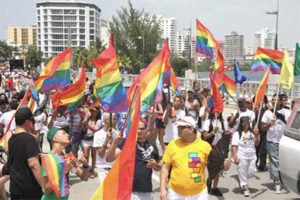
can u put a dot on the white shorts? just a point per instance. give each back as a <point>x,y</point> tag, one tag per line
<point>175,196</point>
<point>141,196</point>
<point>87,143</point>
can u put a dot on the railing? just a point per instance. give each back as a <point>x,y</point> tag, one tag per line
<point>205,82</point>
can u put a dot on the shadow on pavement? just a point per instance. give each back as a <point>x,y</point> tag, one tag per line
<point>74,180</point>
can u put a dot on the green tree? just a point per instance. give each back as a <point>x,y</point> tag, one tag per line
<point>33,56</point>
<point>6,51</point>
<point>179,65</point>
<point>205,64</point>
<point>136,35</point>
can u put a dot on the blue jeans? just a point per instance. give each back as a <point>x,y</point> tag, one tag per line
<point>273,152</point>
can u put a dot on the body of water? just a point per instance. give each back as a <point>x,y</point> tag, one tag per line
<point>257,76</point>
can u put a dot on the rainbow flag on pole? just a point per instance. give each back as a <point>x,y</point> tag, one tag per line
<point>151,80</point>
<point>205,42</point>
<point>55,75</point>
<point>119,180</point>
<point>265,57</point>
<point>170,78</point>
<point>54,167</point>
<point>108,86</point>
<point>71,96</point>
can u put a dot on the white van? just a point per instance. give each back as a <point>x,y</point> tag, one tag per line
<point>289,151</point>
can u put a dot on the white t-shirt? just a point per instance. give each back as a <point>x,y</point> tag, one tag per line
<point>171,129</point>
<point>275,131</point>
<point>5,119</point>
<point>99,139</point>
<point>39,120</point>
<point>248,113</point>
<point>61,121</point>
<point>215,123</point>
<point>201,113</point>
<point>245,144</point>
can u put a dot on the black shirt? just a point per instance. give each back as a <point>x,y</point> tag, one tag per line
<point>142,181</point>
<point>23,146</point>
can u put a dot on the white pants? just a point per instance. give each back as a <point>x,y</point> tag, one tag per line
<point>141,196</point>
<point>246,170</point>
<point>175,196</point>
<point>102,173</point>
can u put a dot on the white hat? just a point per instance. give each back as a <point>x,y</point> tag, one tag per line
<point>186,121</point>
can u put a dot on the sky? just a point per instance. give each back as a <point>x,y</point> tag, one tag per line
<point>219,16</point>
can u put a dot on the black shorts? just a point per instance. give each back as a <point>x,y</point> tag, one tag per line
<point>159,123</point>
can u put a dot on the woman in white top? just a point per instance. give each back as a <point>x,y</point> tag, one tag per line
<point>244,141</point>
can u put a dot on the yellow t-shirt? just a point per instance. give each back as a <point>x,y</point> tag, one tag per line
<point>188,161</point>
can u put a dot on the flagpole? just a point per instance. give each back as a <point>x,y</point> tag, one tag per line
<point>277,95</point>
<point>259,112</point>
<point>196,67</point>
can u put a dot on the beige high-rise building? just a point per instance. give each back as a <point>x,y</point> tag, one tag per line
<point>18,36</point>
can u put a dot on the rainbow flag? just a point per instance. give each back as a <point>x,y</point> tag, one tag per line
<point>170,78</point>
<point>55,75</point>
<point>265,57</point>
<point>223,82</point>
<point>72,96</point>
<point>151,80</point>
<point>54,167</point>
<point>216,101</point>
<point>261,91</point>
<point>205,41</point>
<point>108,86</point>
<point>23,102</point>
<point>3,63</point>
<point>119,180</point>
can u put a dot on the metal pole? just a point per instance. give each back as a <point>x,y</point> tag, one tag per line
<point>143,49</point>
<point>276,37</point>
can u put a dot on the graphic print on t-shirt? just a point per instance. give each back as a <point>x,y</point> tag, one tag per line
<point>195,165</point>
<point>146,152</point>
<point>248,139</point>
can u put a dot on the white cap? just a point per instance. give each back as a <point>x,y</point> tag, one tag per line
<point>186,121</point>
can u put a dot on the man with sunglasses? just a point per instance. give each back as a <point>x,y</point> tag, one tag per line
<point>187,156</point>
<point>23,158</point>
<point>146,160</point>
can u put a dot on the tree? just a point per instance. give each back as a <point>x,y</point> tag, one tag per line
<point>205,64</point>
<point>136,35</point>
<point>179,65</point>
<point>33,56</point>
<point>6,51</point>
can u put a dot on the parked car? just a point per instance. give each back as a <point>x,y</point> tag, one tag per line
<point>289,151</point>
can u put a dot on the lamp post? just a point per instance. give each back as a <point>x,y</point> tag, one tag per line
<point>275,13</point>
<point>143,38</point>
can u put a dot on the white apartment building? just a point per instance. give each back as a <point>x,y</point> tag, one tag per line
<point>61,23</point>
<point>233,47</point>
<point>265,38</point>
<point>104,29</point>
<point>168,26</point>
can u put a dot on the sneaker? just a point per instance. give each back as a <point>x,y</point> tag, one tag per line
<point>278,189</point>
<point>216,192</point>
<point>208,187</point>
<point>246,193</point>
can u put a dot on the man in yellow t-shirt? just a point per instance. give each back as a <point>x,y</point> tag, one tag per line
<point>187,156</point>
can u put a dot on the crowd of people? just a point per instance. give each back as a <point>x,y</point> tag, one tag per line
<point>183,126</point>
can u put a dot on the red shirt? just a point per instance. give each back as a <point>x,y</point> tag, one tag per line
<point>10,83</point>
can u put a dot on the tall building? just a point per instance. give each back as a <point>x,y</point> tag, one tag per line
<point>265,38</point>
<point>233,47</point>
<point>104,29</point>
<point>61,23</point>
<point>168,26</point>
<point>19,36</point>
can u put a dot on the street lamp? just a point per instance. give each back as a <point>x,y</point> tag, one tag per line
<point>143,38</point>
<point>275,13</point>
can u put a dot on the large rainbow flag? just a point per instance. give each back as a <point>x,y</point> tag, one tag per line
<point>108,86</point>
<point>265,57</point>
<point>170,78</point>
<point>56,74</point>
<point>223,82</point>
<point>205,42</point>
<point>151,80</point>
<point>71,96</point>
<point>54,167</point>
<point>119,180</point>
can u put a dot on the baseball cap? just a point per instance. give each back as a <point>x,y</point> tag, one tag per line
<point>249,100</point>
<point>23,114</point>
<point>52,131</point>
<point>186,121</point>
<point>191,90</point>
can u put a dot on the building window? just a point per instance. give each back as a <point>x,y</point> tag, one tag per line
<point>81,18</point>
<point>82,30</point>
<point>74,43</point>
<point>81,24</point>
<point>45,11</point>
<point>38,12</point>
<point>57,18</point>
<point>46,48</point>
<point>92,19</point>
<point>39,18</point>
<point>81,12</point>
<point>92,25</point>
<point>82,37</point>
<point>92,37</point>
<point>54,36</point>
<point>56,11</point>
<point>45,24</point>
<point>46,42</point>
<point>82,43</point>
<point>57,24</point>
<point>91,12</point>
<point>92,31</point>
<point>45,17</point>
<point>70,12</point>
